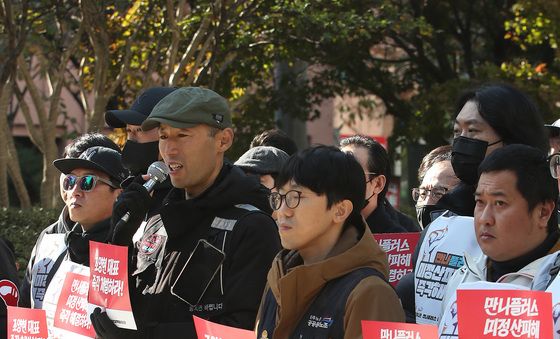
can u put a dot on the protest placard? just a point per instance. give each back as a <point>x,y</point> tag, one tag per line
<point>72,309</point>
<point>58,293</point>
<point>208,330</point>
<point>504,314</point>
<point>26,323</point>
<point>449,322</point>
<point>109,282</point>
<point>391,330</point>
<point>399,248</point>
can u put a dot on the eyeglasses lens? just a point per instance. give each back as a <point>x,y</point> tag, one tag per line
<point>87,182</point>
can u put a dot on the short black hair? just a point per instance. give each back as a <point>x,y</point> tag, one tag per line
<point>378,158</point>
<point>327,170</point>
<point>85,141</point>
<point>275,138</point>
<point>530,166</point>
<point>438,154</point>
<point>510,112</point>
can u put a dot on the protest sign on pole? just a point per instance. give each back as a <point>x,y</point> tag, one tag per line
<point>399,248</point>
<point>108,287</point>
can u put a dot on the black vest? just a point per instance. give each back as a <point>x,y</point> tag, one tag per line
<point>325,316</point>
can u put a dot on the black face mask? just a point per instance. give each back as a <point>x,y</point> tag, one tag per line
<point>425,214</point>
<point>137,157</point>
<point>466,156</point>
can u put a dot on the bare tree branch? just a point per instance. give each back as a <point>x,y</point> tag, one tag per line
<point>35,135</point>
<point>191,49</point>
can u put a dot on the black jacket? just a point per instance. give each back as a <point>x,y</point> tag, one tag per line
<point>380,221</point>
<point>402,219</point>
<point>226,215</point>
<point>8,284</point>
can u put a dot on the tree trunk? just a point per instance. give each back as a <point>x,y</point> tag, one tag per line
<point>96,120</point>
<point>50,173</point>
<point>14,170</point>
<point>4,156</point>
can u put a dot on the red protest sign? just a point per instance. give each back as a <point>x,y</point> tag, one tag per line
<point>26,323</point>
<point>399,248</point>
<point>109,276</point>
<point>208,330</point>
<point>390,330</point>
<point>504,314</point>
<point>71,311</point>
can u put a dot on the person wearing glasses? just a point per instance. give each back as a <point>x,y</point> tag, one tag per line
<point>64,224</point>
<point>378,212</point>
<point>212,202</point>
<point>92,184</point>
<point>331,274</point>
<point>515,222</point>
<point>438,178</point>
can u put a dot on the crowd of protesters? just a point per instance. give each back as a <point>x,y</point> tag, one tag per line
<point>296,230</point>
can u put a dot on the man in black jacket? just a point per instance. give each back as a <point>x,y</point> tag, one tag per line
<point>211,200</point>
<point>378,212</point>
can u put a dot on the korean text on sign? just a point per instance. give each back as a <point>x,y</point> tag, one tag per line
<point>399,248</point>
<point>504,314</point>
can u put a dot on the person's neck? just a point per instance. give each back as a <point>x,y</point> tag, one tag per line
<point>195,191</point>
<point>497,269</point>
<point>321,246</point>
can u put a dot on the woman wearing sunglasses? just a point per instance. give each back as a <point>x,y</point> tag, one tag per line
<point>91,184</point>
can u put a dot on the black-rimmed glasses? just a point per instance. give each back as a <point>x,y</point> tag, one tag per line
<point>291,198</point>
<point>86,183</point>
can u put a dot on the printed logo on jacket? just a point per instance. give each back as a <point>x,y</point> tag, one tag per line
<point>441,254</point>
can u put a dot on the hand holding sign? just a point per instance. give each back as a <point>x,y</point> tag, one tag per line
<point>109,282</point>
<point>105,328</point>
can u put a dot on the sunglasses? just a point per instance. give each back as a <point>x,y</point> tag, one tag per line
<point>86,183</point>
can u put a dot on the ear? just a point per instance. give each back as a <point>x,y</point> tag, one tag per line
<point>342,210</point>
<point>379,183</point>
<point>224,139</point>
<point>544,211</point>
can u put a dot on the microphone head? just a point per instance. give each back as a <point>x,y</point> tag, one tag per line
<point>158,171</point>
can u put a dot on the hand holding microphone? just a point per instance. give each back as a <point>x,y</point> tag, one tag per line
<point>133,203</point>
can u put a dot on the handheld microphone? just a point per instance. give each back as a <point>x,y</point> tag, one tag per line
<point>158,172</point>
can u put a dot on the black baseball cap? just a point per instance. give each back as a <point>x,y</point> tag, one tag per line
<point>98,158</point>
<point>141,108</point>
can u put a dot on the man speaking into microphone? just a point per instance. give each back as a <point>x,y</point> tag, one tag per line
<point>208,250</point>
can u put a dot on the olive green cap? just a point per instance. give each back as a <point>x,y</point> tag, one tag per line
<point>190,106</point>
